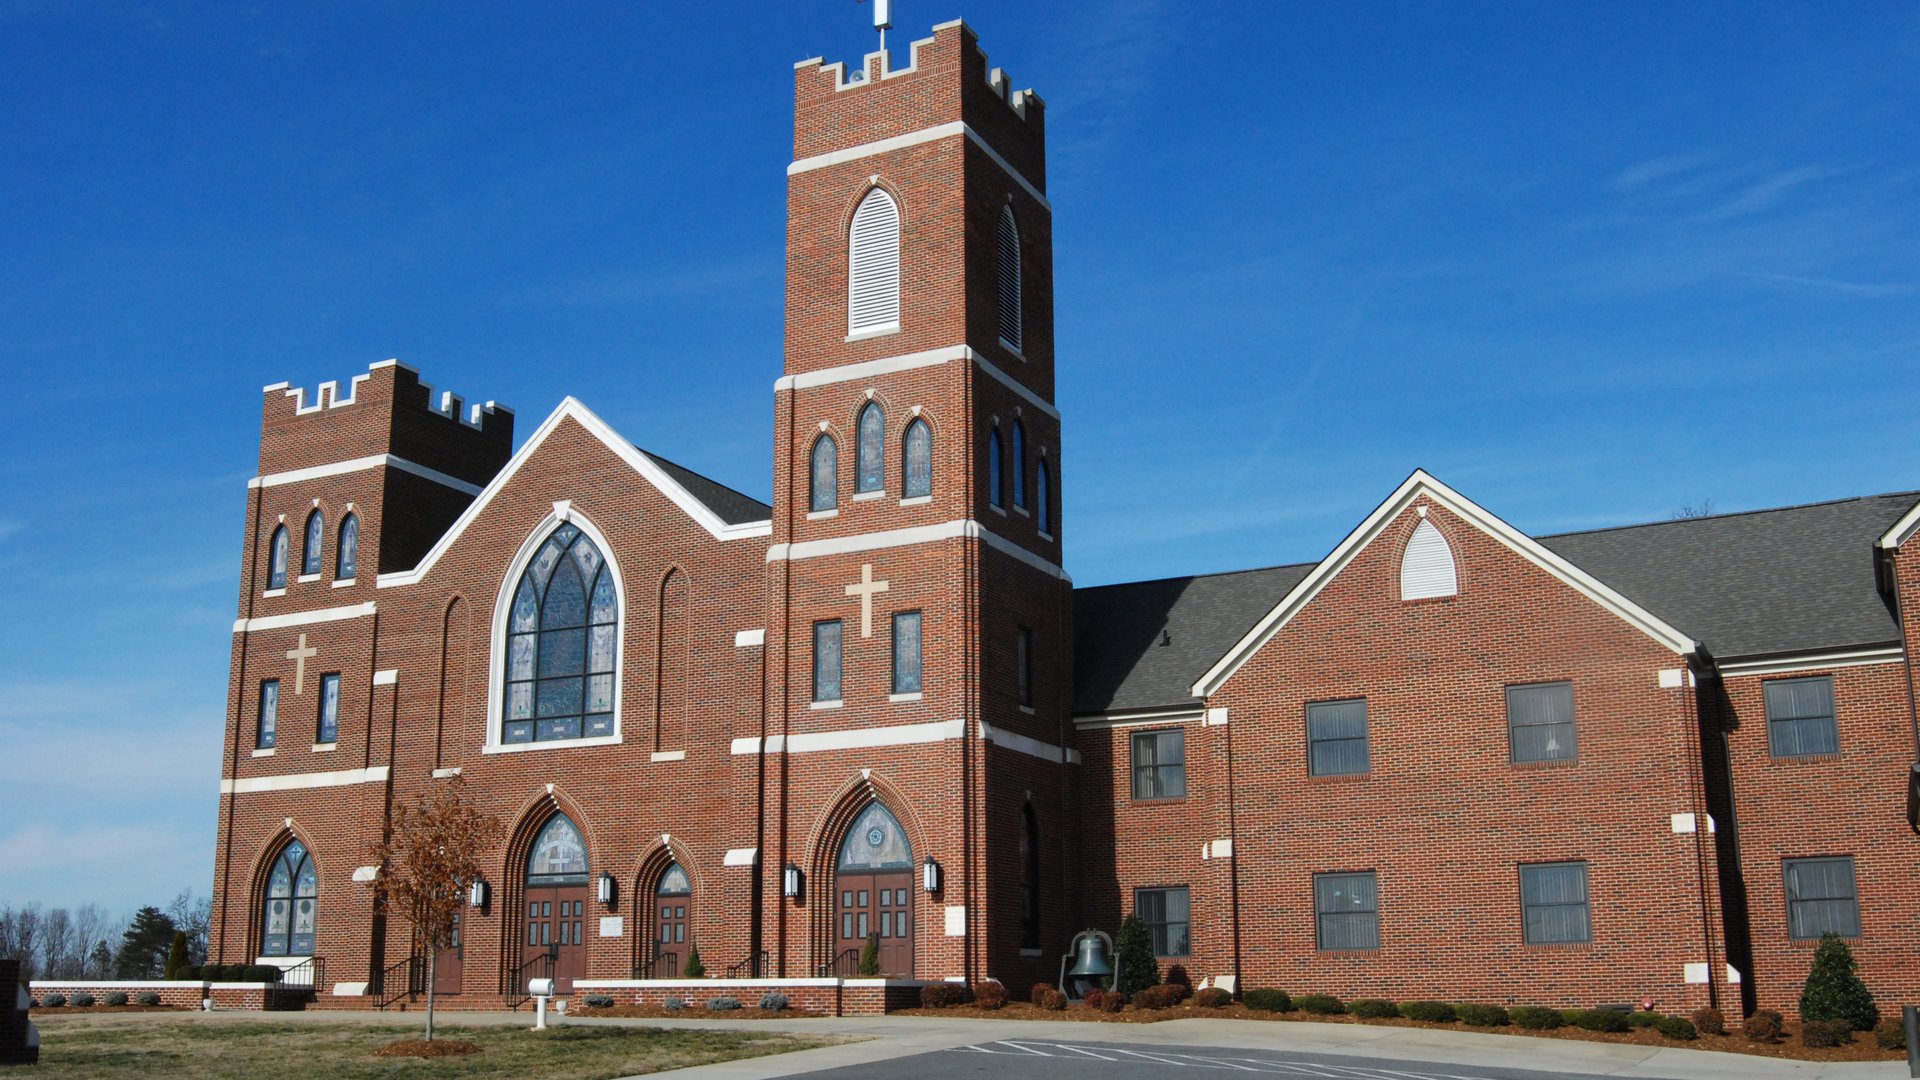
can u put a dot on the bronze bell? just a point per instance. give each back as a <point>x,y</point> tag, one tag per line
<point>1092,961</point>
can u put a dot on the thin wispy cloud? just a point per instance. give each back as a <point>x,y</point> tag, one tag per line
<point>1869,289</point>
<point>1768,193</point>
<point>1641,174</point>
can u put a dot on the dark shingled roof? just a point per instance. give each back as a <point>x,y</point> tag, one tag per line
<point>733,507</point>
<point>1769,582</point>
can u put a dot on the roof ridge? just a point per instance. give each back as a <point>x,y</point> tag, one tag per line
<point>663,460</point>
<point>1194,577</point>
<point>1730,514</point>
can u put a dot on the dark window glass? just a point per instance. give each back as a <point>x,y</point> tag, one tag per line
<point>346,556</point>
<point>1337,737</point>
<point>906,653</point>
<point>562,637</point>
<point>826,661</point>
<point>277,560</point>
<point>1346,910</point>
<point>292,904</point>
<point>1822,898</point>
<point>1042,508</point>
<point>1553,901</point>
<point>1029,878</point>
<point>1019,465</point>
<point>993,467</point>
<point>1166,914</point>
<point>825,491</point>
<point>310,547</point>
<point>269,714</point>
<point>872,455</point>
<point>917,460</point>
<point>1024,644</point>
<point>1160,764</point>
<point>1800,717</point>
<point>329,729</point>
<point>1540,722</point>
<point>558,856</point>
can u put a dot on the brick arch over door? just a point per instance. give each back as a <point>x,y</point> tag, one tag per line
<point>664,853</point>
<point>529,821</point>
<point>823,859</point>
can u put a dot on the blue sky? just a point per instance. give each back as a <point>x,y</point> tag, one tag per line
<point>1586,263</point>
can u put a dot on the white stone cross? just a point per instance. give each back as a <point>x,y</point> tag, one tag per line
<point>865,589</point>
<point>300,656</point>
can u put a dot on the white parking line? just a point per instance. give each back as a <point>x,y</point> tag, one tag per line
<point>1028,1049</point>
<point>1081,1050</point>
<point>1324,1070</point>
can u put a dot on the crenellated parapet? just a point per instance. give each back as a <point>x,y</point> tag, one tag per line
<point>386,410</point>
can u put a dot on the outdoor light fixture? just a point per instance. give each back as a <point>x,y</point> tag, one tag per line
<point>477,894</point>
<point>606,888</point>
<point>930,875</point>
<point>790,881</point>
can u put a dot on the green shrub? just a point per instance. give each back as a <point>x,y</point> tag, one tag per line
<point>674,1004</point>
<point>262,973</point>
<point>1602,1020</point>
<point>53,1001</point>
<point>146,997</point>
<point>83,1000</point>
<point>723,1004</point>
<point>1091,998</point>
<point>176,956</point>
<point>990,995</point>
<point>1763,1026</point>
<point>118,997</point>
<point>1834,990</point>
<point>1269,1000</point>
<point>1535,1018</point>
<point>1571,1017</point>
<point>1676,1027</point>
<point>1891,1034</point>
<point>1643,1018</point>
<point>34,1003</point>
<point>870,956</point>
<point>1212,998</point>
<point>1710,1021</point>
<point>1433,1012</point>
<point>1137,967</point>
<point>695,968</point>
<point>1820,1034</point>
<point>774,1002</point>
<point>1482,1015</point>
<point>1372,1008</point>
<point>1321,1004</point>
<point>1054,1001</point>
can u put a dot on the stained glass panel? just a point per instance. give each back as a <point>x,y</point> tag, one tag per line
<point>566,602</point>
<point>277,560</point>
<point>558,854</point>
<point>872,449</point>
<point>917,460</point>
<point>269,714</point>
<point>310,549</point>
<point>347,556</point>
<point>674,882</point>
<point>875,842</point>
<point>825,492</point>
<point>568,594</point>
<point>526,607</point>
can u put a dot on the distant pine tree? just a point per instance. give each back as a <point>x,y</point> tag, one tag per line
<point>176,956</point>
<point>1138,968</point>
<point>143,948</point>
<point>1834,990</point>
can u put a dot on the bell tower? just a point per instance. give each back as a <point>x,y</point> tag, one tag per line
<point>918,644</point>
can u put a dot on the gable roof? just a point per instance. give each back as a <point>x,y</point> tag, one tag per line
<point>730,506</point>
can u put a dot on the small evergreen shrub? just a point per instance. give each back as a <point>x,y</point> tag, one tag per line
<point>1320,1004</point>
<point>943,996</point>
<point>1820,1034</point>
<point>83,1000</point>
<point>1765,1025</point>
<point>1710,1021</point>
<point>1534,1018</point>
<point>723,1004</point>
<point>1039,991</point>
<point>870,957</point>
<point>990,995</point>
<point>772,1002</point>
<point>1053,1001</point>
<point>118,997</point>
<point>1891,1034</point>
<point>54,1001</point>
<point>176,956</point>
<point>1677,1027</point>
<point>695,968</point>
<point>1602,1020</point>
<point>1571,1017</point>
<point>1643,1018</point>
<point>1372,1008</point>
<point>147,997</point>
<point>1834,990</point>
<point>1137,967</point>
<point>1269,1001</point>
<point>597,1001</point>
<point>1112,1001</point>
<point>674,1004</point>
<point>1212,998</point>
<point>1482,1015</point>
<point>34,1003</point>
<point>1433,1012</point>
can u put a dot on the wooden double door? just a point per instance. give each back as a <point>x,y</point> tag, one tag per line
<point>556,925</point>
<point>875,904</point>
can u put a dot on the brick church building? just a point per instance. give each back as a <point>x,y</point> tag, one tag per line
<point>1447,760</point>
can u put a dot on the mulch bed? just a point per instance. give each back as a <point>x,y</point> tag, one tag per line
<point>83,1010</point>
<point>420,1048</point>
<point>1863,1047</point>
<point>691,1012</point>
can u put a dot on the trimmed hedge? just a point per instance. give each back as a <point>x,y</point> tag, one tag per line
<point>1535,1018</point>
<point>147,997</point>
<point>674,1004</point>
<point>990,995</point>
<point>118,997</point>
<point>1269,1001</point>
<point>1891,1034</point>
<point>1039,991</point>
<point>1642,1018</point>
<point>1212,998</point>
<point>1164,996</point>
<point>1710,1021</point>
<point>83,1000</point>
<point>1611,1020</point>
<point>944,996</point>
<point>1482,1015</point>
<point>1372,1008</point>
<point>1053,1001</point>
<point>1765,1025</point>
<point>1112,1001</point>
<point>1676,1027</point>
<point>597,1001</point>
<point>1820,1034</point>
<point>53,1001</point>
<point>1320,1004</point>
<point>1433,1012</point>
<point>723,1004</point>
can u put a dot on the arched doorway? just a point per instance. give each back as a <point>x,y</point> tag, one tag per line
<point>873,894</point>
<point>556,900</point>
<point>673,906</point>
<point>291,910</point>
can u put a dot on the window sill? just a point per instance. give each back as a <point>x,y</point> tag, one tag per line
<point>307,579</point>
<point>897,698</point>
<point>1799,759</point>
<point>668,755</point>
<point>343,583</point>
<point>916,500</point>
<point>281,591</point>
<point>1336,778</point>
<point>873,332</point>
<point>1028,709</point>
<point>265,751</point>
<point>1045,535</point>
<point>823,704</point>
<point>997,508</point>
<point>324,747</point>
<point>1162,800</point>
<point>1021,510</point>
<point>822,515</point>
<point>550,744</point>
<point>869,496</point>
<point>1549,763</point>
<point>1013,350</point>
<point>1348,954</point>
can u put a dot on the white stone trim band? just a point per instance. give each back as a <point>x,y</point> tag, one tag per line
<point>915,138</point>
<point>371,461</point>
<point>303,618</point>
<point>852,738</point>
<point>1032,747</point>
<point>918,534</point>
<point>888,365</point>
<point>300,781</point>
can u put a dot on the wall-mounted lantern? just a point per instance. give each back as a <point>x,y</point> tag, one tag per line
<point>790,881</point>
<point>477,894</point>
<point>606,888</point>
<point>930,875</point>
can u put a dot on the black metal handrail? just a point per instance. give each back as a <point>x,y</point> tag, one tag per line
<point>664,965</point>
<point>540,966</point>
<point>843,966</point>
<point>298,982</point>
<point>753,967</point>
<point>403,978</point>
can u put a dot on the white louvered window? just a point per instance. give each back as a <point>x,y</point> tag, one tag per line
<point>1009,279</point>
<point>873,265</point>
<point>1426,568</point>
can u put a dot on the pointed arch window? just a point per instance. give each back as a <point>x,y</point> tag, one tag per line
<point>1019,465</point>
<point>993,468</point>
<point>875,842</point>
<point>1029,878</point>
<point>873,265</point>
<point>916,460</point>
<point>277,559</point>
<point>346,551</point>
<point>870,452</point>
<point>1009,279</point>
<point>292,903</point>
<point>562,637</point>
<point>559,855</point>
<point>1427,567</point>
<point>311,545</point>
<point>824,492</point>
<point>1042,508</point>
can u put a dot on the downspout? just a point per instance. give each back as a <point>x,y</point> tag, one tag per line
<point>1233,836</point>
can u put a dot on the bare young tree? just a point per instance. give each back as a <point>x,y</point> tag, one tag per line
<point>57,958</point>
<point>193,915</point>
<point>89,931</point>
<point>427,862</point>
<point>24,940</point>
<point>1691,510</point>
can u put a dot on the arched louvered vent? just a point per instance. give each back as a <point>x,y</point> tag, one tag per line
<point>873,264</point>
<point>1009,278</point>
<point>1426,569</point>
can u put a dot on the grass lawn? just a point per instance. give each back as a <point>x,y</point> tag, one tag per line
<point>215,1048</point>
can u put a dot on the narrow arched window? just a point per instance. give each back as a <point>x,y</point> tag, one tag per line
<point>1426,567</point>
<point>1009,279</point>
<point>873,265</point>
<point>346,553</point>
<point>993,467</point>
<point>916,460</point>
<point>824,493</point>
<point>1019,465</point>
<point>871,449</point>
<point>1029,878</point>
<point>311,545</point>
<point>277,559</point>
<point>292,904</point>
<point>562,637</point>
<point>1042,508</point>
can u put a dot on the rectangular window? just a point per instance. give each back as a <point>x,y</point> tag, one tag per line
<point>826,660</point>
<point>1160,764</point>
<point>269,714</point>
<point>1540,722</point>
<point>906,653</point>
<point>1553,903</point>
<point>1822,898</point>
<point>1337,737</point>
<point>329,729</point>
<point>1165,913</point>
<point>1346,910</point>
<point>1800,717</point>
<point>1025,647</point>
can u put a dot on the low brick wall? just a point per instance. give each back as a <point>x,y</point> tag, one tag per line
<point>236,995</point>
<point>834,997</point>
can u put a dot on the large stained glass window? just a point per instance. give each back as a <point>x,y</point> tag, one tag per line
<point>277,560</point>
<point>562,635</point>
<point>329,727</point>
<point>559,855</point>
<point>292,904</point>
<point>875,842</point>
<point>826,660</point>
<point>917,460</point>
<point>872,439</point>
<point>346,555</point>
<point>310,547</point>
